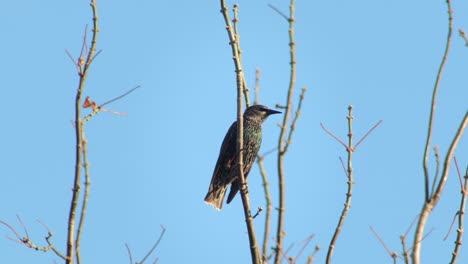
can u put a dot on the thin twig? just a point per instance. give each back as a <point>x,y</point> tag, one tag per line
<point>266,185</point>
<point>281,143</point>
<point>12,230</point>
<point>333,136</point>
<point>79,139</point>
<point>350,148</point>
<point>129,252</point>
<point>260,209</point>
<point>120,96</point>
<point>305,243</point>
<point>235,22</point>
<point>73,61</point>
<point>430,202</point>
<point>84,48</point>
<point>22,224</point>
<point>311,257</point>
<point>349,192</point>
<point>389,252</point>
<point>257,86</point>
<point>451,226</point>
<point>100,108</point>
<point>254,250</point>
<point>268,152</point>
<point>50,234</point>
<point>95,55</point>
<point>404,250</point>
<point>26,240</point>
<point>437,170</point>
<point>266,189</point>
<point>97,109</point>
<point>279,12</point>
<point>280,251</point>
<point>464,190</point>
<point>448,158</point>
<point>287,252</point>
<point>429,206</point>
<point>155,245</point>
<point>344,167</point>
<point>433,105</point>
<point>84,202</point>
<point>424,237</point>
<point>367,134</point>
<point>411,225</point>
<point>79,64</point>
<point>461,214</point>
<point>294,121</point>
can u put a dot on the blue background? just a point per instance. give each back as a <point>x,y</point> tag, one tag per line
<point>153,167</point>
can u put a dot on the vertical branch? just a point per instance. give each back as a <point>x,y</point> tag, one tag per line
<point>294,121</point>
<point>349,170</point>
<point>461,216</point>
<point>404,250</point>
<point>235,21</point>
<point>84,204</point>
<point>429,201</point>
<point>257,86</point>
<point>434,97</point>
<point>254,250</point>
<point>349,173</point>
<point>429,206</point>
<point>266,185</point>
<point>79,139</point>
<point>311,257</point>
<point>393,255</point>
<point>281,142</point>
<point>448,158</point>
<point>437,170</point>
<point>266,188</point>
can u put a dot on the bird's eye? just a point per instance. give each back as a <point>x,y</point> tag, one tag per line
<point>263,109</point>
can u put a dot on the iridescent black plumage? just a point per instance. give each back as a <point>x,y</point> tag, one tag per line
<point>225,171</point>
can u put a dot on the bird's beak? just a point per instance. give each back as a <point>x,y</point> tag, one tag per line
<point>272,112</point>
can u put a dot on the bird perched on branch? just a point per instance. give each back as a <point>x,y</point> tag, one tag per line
<point>226,170</point>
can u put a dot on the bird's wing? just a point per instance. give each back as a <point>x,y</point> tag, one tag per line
<point>227,153</point>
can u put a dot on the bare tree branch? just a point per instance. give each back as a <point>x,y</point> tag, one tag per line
<point>235,22</point>
<point>430,205</point>
<point>433,103</point>
<point>281,142</point>
<point>349,192</point>
<point>129,252</point>
<point>254,249</point>
<point>392,254</point>
<point>431,201</point>
<point>257,86</point>
<point>27,241</point>
<point>266,188</point>
<point>154,246</point>
<point>461,214</point>
<point>350,148</point>
<point>367,134</point>
<point>71,250</point>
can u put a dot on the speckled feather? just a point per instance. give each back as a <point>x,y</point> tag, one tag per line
<point>226,171</point>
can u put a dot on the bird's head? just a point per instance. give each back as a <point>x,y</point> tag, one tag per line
<point>259,112</point>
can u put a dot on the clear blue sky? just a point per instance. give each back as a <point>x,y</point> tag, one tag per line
<point>153,167</point>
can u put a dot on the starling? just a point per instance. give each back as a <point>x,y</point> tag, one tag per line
<point>225,172</point>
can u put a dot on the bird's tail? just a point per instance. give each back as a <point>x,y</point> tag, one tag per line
<point>215,196</point>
